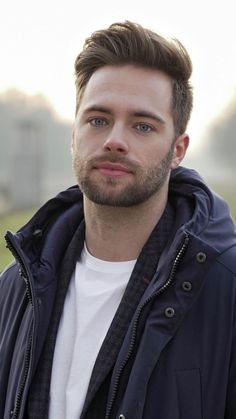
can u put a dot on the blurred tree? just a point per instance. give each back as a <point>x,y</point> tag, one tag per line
<point>221,137</point>
<point>35,159</point>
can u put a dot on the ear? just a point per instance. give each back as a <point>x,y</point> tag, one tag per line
<point>180,148</point>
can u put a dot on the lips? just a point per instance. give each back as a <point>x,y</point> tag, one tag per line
<point>112,169</point>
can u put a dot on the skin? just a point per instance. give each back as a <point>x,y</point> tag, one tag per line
<point>124,148</point>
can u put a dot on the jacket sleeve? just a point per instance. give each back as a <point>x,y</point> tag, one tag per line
<point>230,411</point>
<point>12,304</point>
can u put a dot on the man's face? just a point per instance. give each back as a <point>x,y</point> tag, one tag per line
<point>124,145</point>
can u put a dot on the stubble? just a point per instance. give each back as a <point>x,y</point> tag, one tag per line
<point>143,183</point>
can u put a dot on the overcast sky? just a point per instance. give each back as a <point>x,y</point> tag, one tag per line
<point>39,41</point>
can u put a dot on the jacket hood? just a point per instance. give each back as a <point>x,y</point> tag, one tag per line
<point>210,219</point>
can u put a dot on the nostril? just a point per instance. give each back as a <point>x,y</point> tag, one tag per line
<point>117,144</point>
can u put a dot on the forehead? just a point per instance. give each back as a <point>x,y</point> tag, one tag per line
<point>129,85</point>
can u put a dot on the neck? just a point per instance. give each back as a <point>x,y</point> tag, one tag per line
<point>119,234</point>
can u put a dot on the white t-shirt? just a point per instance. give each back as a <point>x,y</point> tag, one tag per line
<point>94,293</point>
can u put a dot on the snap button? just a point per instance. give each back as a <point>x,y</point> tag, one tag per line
<point>39,301</point>
<point>37,234</point>
<point>201,257</point>
<point>169,312</point>
<point>122,417</point>
<point>187,286</point>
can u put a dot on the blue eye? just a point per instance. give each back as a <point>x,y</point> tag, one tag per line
<point>144,128</point>
<point>97,122</point>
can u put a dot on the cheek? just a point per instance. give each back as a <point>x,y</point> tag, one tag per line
<point>78,143</point>
<point>156,155</point>
<point>84,149</point>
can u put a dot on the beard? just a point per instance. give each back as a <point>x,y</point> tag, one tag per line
<point>109,192</point>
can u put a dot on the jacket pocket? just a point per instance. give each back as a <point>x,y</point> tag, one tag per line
<point>189,394</point>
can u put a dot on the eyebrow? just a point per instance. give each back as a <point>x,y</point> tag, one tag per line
<point>97,108</point>
<point>147,114</point>
<point>139,114</point>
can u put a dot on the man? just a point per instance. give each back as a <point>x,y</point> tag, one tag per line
<point>121,302</point>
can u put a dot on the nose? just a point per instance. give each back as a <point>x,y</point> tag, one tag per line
<point>116,141</point>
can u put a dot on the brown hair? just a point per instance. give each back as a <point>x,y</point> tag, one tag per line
<point>130,43</point>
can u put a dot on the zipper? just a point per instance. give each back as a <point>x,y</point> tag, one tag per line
<point>136,321</point>
<point>16,411</point>
<point>25,275</point>
<point>22,268</point>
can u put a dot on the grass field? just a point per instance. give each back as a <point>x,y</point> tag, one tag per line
<point>10,222</point>
<point>14,221</point>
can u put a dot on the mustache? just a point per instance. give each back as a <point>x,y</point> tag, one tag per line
<point>113,158</point>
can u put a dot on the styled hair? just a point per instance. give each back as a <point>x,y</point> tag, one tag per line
<point>130,43</point>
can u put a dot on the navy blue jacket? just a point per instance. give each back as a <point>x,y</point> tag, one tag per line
<point>178,359</point>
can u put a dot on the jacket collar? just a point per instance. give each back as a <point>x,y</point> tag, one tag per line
<point>198,212</point>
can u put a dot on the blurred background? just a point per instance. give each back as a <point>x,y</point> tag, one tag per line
<point>39,42</point>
